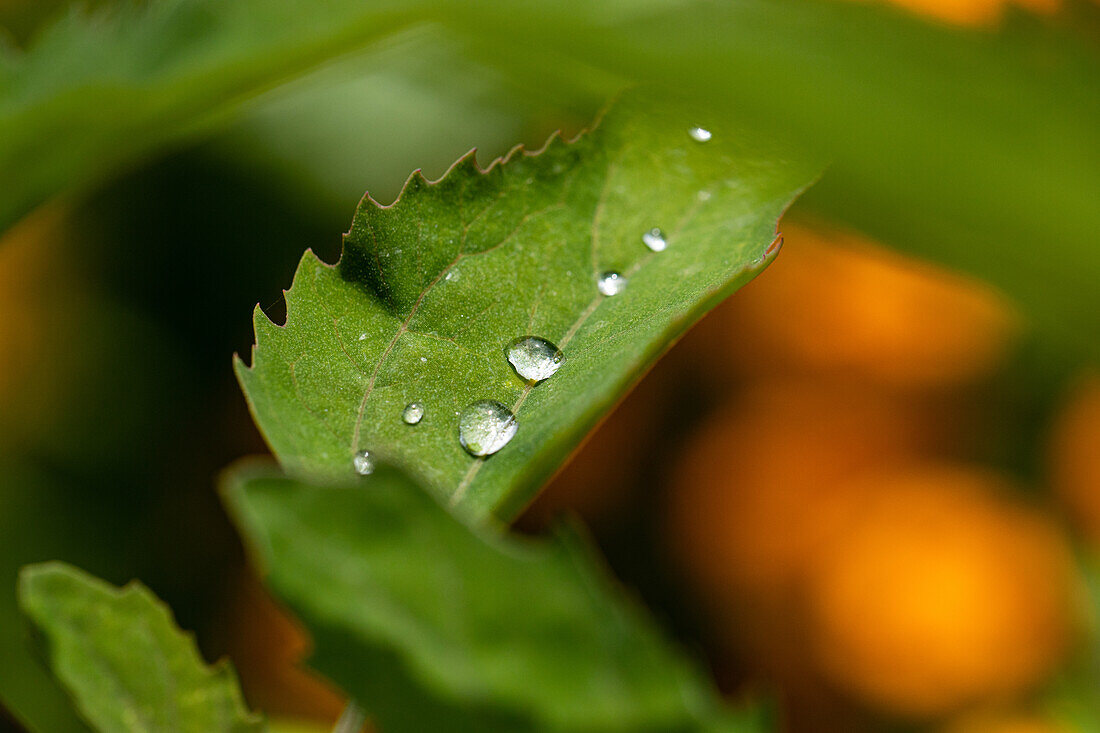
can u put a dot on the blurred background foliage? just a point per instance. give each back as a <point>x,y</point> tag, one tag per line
<point>868,482</point>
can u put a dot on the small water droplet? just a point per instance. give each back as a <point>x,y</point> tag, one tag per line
<point>363,336</point>
<point>535,358</point>
<point>655,240</point>
<point>485,427</point>
<point>413,413</point>
<point>699,134</point>
<point>703,195</point>
<point>452,275</point>
<point>363,463</point>
<point>611,283</point>
<point>423,360</point>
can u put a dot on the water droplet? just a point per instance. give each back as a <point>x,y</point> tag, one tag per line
<point>363,463</point>
<point>363,337</point>
<point>655,240</point>
<point>703,195</point>
<point>534,358</point>
<point>413,413</point>
<point>699,134</point>
<point>485,427</point>
<point>611,283</point>
<point>452,275</point>
<point>423,360</point>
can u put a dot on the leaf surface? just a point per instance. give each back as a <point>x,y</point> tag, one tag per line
<point>431,292</point>
<point>433,626</point>
<point>124,662</point>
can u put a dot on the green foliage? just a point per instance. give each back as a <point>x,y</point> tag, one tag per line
<point>38,520</point>
<point>98,91</point>
<point>433,626</point>
<point>975,148</point>
<point>431,291</point>
<point>123,660</point>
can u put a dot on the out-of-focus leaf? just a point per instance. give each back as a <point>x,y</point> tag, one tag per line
<point>432,626</point>
<point>363,122</point>
<point>1074,697</point>
<point>99,89</point>
<point>123,660</point>
<point>430,293</point>
<point>38,520</point>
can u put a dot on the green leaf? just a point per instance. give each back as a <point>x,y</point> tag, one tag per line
<point>433,626</point>
<point>98,91</point>
<point>430,293</point>
<point>123,660</point>
<point>38,519</point>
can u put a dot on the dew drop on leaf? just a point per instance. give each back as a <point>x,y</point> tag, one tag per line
<point>611,283</point>
<point>699,134</point>
<point>534,358</point>
<point>655,240</point>
<point>485,427</point>
<point>413,413</point>
<point>363,463</point>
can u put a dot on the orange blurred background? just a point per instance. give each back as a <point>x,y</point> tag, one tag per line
<point>830,514</point>
<point>809,466</point>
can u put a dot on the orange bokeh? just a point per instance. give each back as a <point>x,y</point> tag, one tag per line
<point>974,12</point>
<point>940,595</point>
<point>836,304</point>
<point>1075,456</point>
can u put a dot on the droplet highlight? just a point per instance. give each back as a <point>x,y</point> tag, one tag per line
<point>655,240</point>
<point>611,283</point>
<point>534,358</point>
<point>485,427</point>
<point>699,134</point>
<point>413,413</point>
<point>363,462</point>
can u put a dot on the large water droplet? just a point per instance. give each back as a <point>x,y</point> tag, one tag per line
<point>699,134</point>
<point>655,240</point>
<point>611,283</point>
<point>413,413</point>
<point>534,358</point>
<point>363,463</point>
<point>485,427</point>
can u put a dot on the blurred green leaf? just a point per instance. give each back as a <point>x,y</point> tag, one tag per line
<point>432,626</point>
<point>363,122</point>
<point>123,660</point>
<point>100,89</point>
<point>1073,698</point>
<point>431,292</point>
<point>38,520</point>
